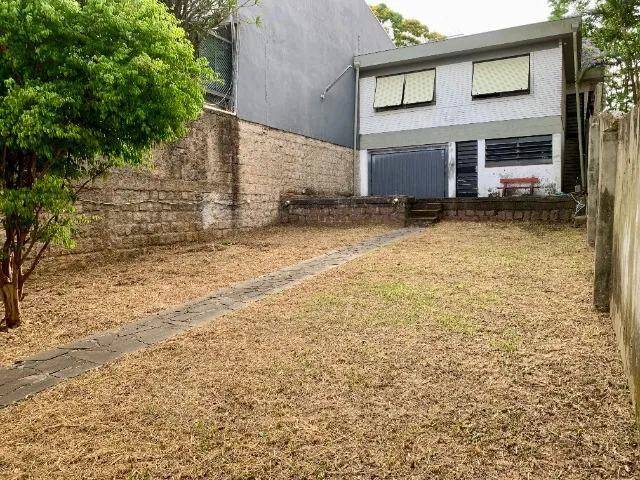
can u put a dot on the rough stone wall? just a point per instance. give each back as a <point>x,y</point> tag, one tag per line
<point>344,211</point>
<point>395,211</point>
<point>625,271</point>
<point>226,175</point>
<point>541,209</point>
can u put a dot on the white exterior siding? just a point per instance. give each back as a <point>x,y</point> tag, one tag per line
<point>454,105</point>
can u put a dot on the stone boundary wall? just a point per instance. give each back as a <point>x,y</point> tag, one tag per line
<point>614,227</point>
<point>544,209</point>
<point>395,210</point>
<point>344,211</point>
<point>227,175</point>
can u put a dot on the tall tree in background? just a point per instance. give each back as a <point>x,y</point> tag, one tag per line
<point>86,86</point>
<point>613,26</point>
<point>198,17</point>
<point>405,31</point>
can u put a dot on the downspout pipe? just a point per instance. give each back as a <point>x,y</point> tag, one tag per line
<point>356,126</point>
<point>583,179</point>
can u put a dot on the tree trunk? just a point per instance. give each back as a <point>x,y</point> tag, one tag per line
<point>11,299</point>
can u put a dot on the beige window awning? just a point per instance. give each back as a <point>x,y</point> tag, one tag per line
<point>501,76</point>
<point>389,91</point>
<point>419,87</point>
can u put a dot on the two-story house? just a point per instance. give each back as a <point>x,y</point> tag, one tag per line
<point>465,116</point>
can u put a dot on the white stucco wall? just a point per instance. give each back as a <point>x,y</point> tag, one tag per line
<point>550,175</point>
<point>454,105</point>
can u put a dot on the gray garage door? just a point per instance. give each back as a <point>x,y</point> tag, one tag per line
<point>416,173</point>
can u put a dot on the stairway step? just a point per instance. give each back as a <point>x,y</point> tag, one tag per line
<point>422,222</point>
<point>427,211</point>
<point>427,205</point>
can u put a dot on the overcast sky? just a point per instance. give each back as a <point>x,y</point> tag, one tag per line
<point>455,17</point>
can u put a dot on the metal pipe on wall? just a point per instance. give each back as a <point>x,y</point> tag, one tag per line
<point>356,109</point>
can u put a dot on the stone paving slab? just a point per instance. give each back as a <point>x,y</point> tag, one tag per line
<point>47,368</point>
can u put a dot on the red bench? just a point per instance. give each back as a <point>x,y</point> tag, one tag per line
<point>508,184</point>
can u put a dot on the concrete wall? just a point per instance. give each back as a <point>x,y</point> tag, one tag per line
<point>226,175</point>
<point>454,104</point>
<point>301,47</point>
<point>550,175</point>
<point>625,247</point>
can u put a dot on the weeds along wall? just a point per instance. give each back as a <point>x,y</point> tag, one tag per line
<point>226,175</point>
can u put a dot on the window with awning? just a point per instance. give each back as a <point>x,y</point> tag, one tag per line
<point>389,91</point>
<point>498,77</point>
<point>405,89</point>
<point>419,87</point>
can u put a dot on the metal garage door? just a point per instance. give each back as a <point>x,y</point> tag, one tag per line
<point>418,173</point>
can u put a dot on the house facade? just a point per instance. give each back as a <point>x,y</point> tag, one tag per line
<point>474,116</point>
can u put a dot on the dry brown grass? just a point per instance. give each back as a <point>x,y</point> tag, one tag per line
<point>469,352</point>
<point>73,296</point>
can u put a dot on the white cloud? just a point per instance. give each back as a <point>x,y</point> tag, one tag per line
<point>464,17</point>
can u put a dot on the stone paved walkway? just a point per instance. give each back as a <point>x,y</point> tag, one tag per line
<point>46,369</point>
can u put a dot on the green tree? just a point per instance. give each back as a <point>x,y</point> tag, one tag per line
<point>613,26</point>
<point>405,31</point>
<point>86,86</point>
<point>198,17</point>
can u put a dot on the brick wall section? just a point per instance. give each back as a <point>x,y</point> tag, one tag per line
<point>545,209</point>
<point>344,211</point>
<point>226,175</point>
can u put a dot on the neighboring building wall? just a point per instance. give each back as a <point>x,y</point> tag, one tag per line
<point>226,175</point>
<point>301,47</point>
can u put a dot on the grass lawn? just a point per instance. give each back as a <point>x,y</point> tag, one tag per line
<point>467,352</point>
<point>73,296</point>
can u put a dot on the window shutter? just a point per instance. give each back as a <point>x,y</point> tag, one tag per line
<point>501,76</point>
<point>521,149</point>
<point>419,87</point>
<point>389,91</point>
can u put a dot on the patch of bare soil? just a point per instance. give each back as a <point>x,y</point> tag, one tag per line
<point>73,296</point>
<point>468,352</point>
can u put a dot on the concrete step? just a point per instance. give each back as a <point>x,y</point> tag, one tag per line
<point>425,212</point>
<point>422,222</point>
<point>425,204</point>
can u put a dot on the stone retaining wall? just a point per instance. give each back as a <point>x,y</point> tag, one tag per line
<point>226,175</point>
<point>343,211</point>
<point>395,210</point>
<point>545,209</point>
